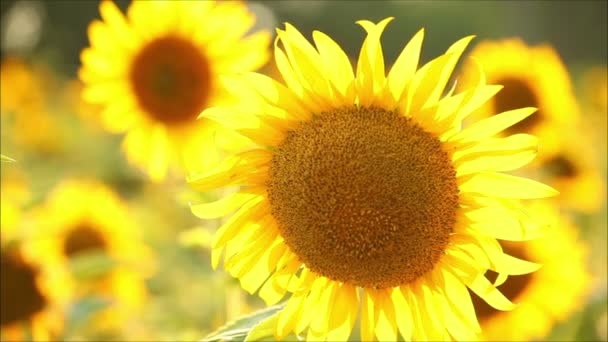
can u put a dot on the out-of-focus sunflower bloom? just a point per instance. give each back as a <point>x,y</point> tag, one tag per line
<point>157,68</point>
<point>83,220</point>
<point>364,198</point>
<point>25,105</point>
<point>532,76</point>
<point>33,296</point>
<point>546,296</point>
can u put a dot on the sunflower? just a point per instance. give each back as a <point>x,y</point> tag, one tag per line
<point>33,296</point>
<point>532,76</point>
<point>157,69</point>
<point>83,220</point>
<point>365,191</point>
<point>546,296</point>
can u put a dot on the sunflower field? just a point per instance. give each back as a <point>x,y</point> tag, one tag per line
<point>319,170</point>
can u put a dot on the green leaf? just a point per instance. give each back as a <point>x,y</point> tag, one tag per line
<point>6,159</point>
<point>82,310</point>
<point>241,328</point>
<point>264,330</point>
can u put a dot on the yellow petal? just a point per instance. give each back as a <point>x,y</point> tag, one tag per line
<point>405,66</point>
<point>431,313</point>
<point>419,333</point>
<point>459,299</point>
<point>287,72</point>
<point>384,315</point>
<point>403,313</point>
<point>504,263</point>
<point>492,125</point>
<point>231,171</point>
<point>336,65</point>
<point>305,61</point>
<point>368,326</point>
<point>250,211</point>
<point>223,206</point>
<point>370,66</point>
<point>473,99</point>
<point>276,286</point>
<point>498,223</point>
<point>116,21</point>
<point>216,256</point>
<point>277,94</point>
<point>497,161</point>
<point>464,243</point>
<point>289,315</point>
<point>311,306</point>
<point>505,186</point>
<point>514,143</point>
<point>482,287</point>
<point>262,267</point>
<point>427,87</point>
<point>437,119</point>
<point>324,309</point>
<point>344,313</point>
<point>455,327</point>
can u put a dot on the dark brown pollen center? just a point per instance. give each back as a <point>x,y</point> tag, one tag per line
<point>83,239</point>
<point>561,166</point>
<point>171,80</point>
<point>20,297</point>
<point>364,196</point>
<point>518,94</point>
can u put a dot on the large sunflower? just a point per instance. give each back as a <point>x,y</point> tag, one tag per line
<point>84,219</point>
<point>546,296</point>
<point>364,189</point>
<point>532,76</point>
<point>32,293</point>
<point>158,68</point>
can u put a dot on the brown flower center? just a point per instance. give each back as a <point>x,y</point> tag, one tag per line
<point>20,297</point>
<point>83,239</point>
<point>364,196</point>
<point>512,288</point>
<point>518,94</point>
<point>171,80</point>
<point>561,166</point>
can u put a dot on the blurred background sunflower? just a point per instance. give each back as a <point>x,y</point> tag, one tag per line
<point>57,136</point>
<point>33,292</point>
<point>87,231</point>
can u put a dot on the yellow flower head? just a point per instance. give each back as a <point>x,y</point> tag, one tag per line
<point>532,77</point>
<point>32,293</point>
<point>364,190</point>
<point>157,68</point>
<point>80,219</point>
<point>547,296</point>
